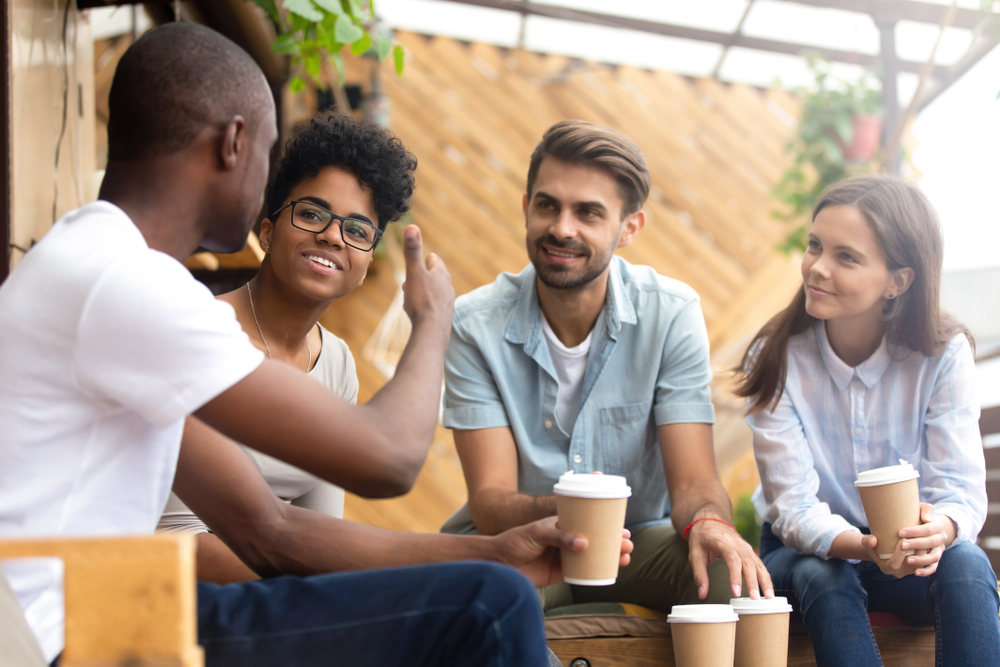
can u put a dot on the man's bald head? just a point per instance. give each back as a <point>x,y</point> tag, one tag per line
<point>175,81</point>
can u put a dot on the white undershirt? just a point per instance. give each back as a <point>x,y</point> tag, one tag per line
<point>570,364</point>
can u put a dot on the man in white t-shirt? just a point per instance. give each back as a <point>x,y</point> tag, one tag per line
<point>107,344</point>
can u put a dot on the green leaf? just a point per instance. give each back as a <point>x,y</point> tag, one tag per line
<point>361,45</point>
<point>286,45</point>
<point>304,8</point>
<point>353,7</point>
<point>332,6</point>
<point>297,85</point>
<point>345,31</point>
<point>399,55</point>
<point>845,128</point>
<point>338,61</point>
<point>312,62</point>
<point>383,45</point>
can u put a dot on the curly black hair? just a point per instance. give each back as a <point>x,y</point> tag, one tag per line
<point>362,148</point>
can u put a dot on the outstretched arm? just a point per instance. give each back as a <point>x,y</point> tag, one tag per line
<point>374,450</point>
<point>696,493</point>
<point>219,484</point>
<point>489,462</point>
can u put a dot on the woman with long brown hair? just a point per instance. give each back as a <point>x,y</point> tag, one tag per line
<point>861,370</point>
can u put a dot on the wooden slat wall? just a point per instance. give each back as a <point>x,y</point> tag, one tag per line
<point>473,113</point>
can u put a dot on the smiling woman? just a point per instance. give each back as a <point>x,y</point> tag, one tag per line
<point>337,186</point>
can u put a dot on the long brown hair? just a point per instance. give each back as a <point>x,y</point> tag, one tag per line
<point>909,235</point>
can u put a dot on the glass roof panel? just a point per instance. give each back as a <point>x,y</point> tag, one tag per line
<point>719,15</point>
<point>451,19</point>
<point>765,69</point>
<point>615,45</point>
<point>815,26</point>
<point>914,41</point>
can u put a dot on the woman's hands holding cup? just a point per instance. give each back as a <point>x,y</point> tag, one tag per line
<point>927,541</point>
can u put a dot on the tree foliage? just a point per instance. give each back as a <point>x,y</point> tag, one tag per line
<point>309,30</point>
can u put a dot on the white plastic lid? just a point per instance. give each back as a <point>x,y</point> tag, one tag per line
<point>590,485</point>
<point>702,613</point>
<point>774,605</point>
<point>888,475</point>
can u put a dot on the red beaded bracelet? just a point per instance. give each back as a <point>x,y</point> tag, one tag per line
<point>705,518</point>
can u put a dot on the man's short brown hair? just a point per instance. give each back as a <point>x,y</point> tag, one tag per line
<point>583,143</point>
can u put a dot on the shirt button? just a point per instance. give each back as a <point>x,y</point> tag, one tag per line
<point>548,424</point>
<point>577,458</point>
<point>857,431</point>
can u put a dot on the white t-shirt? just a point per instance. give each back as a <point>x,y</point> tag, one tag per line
<point>336,370</point>
<point>105,347</point>
<point>571,365</point>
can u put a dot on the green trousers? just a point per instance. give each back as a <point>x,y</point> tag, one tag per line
<point>658,577</point>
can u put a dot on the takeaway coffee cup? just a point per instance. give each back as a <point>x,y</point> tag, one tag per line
<point>762,633</point>
<point>592,506</point>
<point>892,502</point>
<point>704,635</point>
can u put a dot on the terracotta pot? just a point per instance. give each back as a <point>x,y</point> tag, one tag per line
<point>866,140</point>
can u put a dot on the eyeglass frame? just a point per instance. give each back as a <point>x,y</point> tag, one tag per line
<point>333,216</point>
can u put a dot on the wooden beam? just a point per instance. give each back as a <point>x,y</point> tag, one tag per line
<point>890,11</point>
<point>890,94</point>
<point>724,39</point>
<point>941,82</point>
<point>5,231</point>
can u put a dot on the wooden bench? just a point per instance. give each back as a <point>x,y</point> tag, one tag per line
<point>129,601</point>
<point>899,644</point>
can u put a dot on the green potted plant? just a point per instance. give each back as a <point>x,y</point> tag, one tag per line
<point>839,132</point>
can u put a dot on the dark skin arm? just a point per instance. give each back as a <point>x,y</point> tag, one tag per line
<point>695,492</point>
<point>223,488</point>
<point>373,450</point>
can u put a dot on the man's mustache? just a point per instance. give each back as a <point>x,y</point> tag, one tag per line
<point>568,245</point>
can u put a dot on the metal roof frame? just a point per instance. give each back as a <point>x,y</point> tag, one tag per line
<point>886,13</point>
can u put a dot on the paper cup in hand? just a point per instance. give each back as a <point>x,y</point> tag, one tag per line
<point>762,633</point>
<point>892,502</point>
<point>704,635</point>
<point>592,506</point>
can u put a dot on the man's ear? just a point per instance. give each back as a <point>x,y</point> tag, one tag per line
<point>234,142</point>
<point>524,206</point>
<point>631,227</point>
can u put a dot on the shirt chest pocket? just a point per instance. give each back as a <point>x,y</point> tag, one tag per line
<point>626,435</point>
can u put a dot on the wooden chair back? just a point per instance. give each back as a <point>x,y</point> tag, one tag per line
<point>129,601</point>
<point>989,537</point>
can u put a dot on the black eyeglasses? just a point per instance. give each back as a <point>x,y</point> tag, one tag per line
<point>310,217</point>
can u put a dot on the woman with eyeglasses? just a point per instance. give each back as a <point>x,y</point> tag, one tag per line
<point>336,187</point>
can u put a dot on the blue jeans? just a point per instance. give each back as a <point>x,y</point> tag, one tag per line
<point>834,596</point>
<point>457,614</point>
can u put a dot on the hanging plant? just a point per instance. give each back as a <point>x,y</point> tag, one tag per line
<point>838,133</point>
<point>309,30</point>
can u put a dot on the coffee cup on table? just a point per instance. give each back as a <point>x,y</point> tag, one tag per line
<point>592,505</point>
<point>891,499</point>
<point>762,633</point>
<point>703,635</point>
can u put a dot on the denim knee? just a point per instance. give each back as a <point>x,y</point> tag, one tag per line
<point>815,579</point>
<point>965,564</point>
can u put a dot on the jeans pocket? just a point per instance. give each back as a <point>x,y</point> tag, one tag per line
<point>626,432</point>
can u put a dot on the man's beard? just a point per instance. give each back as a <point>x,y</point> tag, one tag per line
<point>563,277</point>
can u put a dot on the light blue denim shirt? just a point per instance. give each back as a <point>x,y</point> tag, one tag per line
<point>834,421</point>
<point>648,366</point>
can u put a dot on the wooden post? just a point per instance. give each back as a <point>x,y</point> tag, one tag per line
<point>129,600</point>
